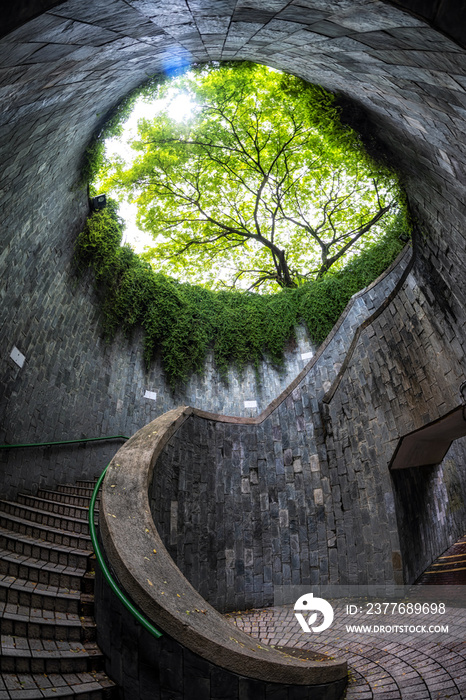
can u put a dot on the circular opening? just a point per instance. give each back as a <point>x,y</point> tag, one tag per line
<point>244,177</point>
<point>248,182</point>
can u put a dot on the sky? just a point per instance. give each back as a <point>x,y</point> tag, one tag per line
<point>180,108</point>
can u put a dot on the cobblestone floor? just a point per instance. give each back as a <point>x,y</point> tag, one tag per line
<point>396,661</point>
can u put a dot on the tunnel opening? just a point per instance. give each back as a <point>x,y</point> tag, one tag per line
<point>258,187</point>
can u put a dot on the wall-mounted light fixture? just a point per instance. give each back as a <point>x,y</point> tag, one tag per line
<point>99,202</point>
<point>463,393</point>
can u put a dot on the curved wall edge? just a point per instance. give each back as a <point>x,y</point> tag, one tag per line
<point>148,574</point>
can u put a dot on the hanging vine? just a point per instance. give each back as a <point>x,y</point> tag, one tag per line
<point>181,322</point>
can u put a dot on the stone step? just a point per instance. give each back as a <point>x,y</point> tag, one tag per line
<point>54,552</point>
<point>65,498</point>
<point>23,655</point>
<point>82,686</point>
<point>45,505</point>
<point>26,567</point>
<point>75,490</point>
<point>87,483</point>
<point>40,596</point>
<point>57,523</point>
<point>22,621</point>
<point>47,576</point>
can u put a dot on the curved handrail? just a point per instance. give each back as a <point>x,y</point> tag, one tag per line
<point>63,442</point>
<point>105,570</point>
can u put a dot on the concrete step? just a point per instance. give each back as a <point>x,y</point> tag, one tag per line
<point>45,526</point>
<point>87,483</point>
<point>40,596</point>
<point>23,655</point>
<point>37,570</point>
<point>85,492</point>
<point>35,623</point>
<point>65,498</point>
<point>60,521</point>
<point>35,686</point>
<point>55,507</point>
<point>47,576</point>
<point>40,548</point>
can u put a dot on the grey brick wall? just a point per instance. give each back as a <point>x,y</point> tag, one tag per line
<point>61,73</point>
<point>147,668</point>
<point>403,374</point>
<point>305,497</point>
<point>297,500</point>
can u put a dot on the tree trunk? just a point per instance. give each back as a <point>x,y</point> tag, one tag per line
<point>283,272</point>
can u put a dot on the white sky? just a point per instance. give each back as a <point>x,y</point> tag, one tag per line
<point>180,108</point>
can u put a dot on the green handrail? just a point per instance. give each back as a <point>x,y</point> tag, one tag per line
<point>98,552</point>
<point>64,442</point>
<point>107,575</point>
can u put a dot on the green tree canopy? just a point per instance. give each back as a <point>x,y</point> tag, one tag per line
<point>262,180</point>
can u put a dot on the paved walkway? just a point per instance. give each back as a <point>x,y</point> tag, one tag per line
<point>417,661</point>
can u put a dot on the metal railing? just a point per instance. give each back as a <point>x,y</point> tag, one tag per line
<point>63,442</point>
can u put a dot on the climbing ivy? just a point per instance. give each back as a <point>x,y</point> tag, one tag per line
<point>181,321</point>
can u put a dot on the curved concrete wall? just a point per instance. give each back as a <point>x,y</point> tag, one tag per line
<point>244,507</point>
<point>61,73</point>
<point>302,495</point>
<point>211,658</point>
<point>63,70</point>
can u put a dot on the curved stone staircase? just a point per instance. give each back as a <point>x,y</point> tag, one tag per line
<point>48,647</point>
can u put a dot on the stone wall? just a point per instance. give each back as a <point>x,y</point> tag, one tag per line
<point>147,668</point>
<point>285,501</point>
<point>75,385</point>
<point>200,653</point>
<point>403,374</point>
<point>63,70</point>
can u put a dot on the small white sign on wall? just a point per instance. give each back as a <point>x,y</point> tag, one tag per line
<point>250,404</point>
<point>307,355</point>
<point>150,395</point>
<point>17,356</point>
